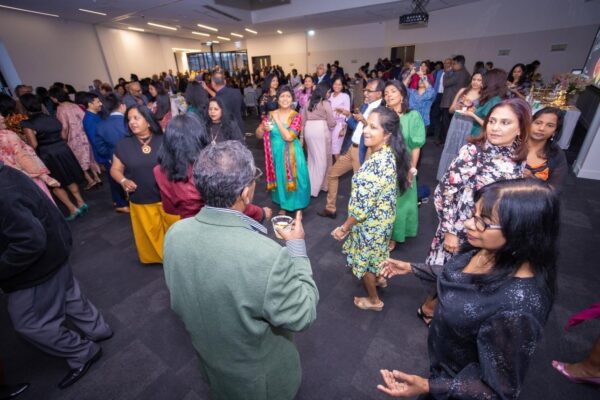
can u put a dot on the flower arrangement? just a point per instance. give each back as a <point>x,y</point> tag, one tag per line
<point>571,83</point>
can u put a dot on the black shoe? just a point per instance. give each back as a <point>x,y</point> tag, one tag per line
<point>12,391</point>
<point>75,374</point>
<point>327,214</point>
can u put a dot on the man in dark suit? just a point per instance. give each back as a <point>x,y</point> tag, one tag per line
<point>108,134</point>
<point>35,244</point>
<point>232,98</point>
<point>321,75</point>
<point>454,80</point>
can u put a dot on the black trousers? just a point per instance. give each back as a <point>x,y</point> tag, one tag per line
<point>446,118</point>
<point>435,117</point>
<point>38,313</point>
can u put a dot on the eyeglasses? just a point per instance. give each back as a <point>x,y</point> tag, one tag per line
<point>371,91</point>
<point>482,226</point>
<point>257,174</point>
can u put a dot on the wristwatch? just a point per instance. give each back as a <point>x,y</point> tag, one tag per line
<point>413,171</point>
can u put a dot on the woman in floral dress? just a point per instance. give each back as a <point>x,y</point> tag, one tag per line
<point>71,116</point>
<point>498,154</point>
<point>372,207</point>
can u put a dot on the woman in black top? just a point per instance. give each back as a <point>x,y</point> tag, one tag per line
<point>160,104</point>
<point>494,297</point>
<point>43,134</point>
<point>268,100</point>
<point>133,160</point>
<point>545,160</point>
<point>220,123</point>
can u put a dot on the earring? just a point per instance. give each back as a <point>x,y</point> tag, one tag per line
<point>552,138</point>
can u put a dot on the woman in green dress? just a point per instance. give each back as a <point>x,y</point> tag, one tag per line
<point>372,206</point>
<point>413,132</point>
<point>494,90</point>
<point>285,166</point>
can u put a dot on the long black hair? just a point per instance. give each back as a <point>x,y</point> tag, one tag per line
<point>528,212</point>
<point>184,138</point>
<point>551,148</point>
<point>319,94</point>
<point>7,105</point>
<point>59,94</point>
<point>494,84</point>
<point>267,83</point>
<point>230,130</point>
<point>390,122</point>
<point>196,96</point>
<point>147,114</point>
<point>523,77</point>
<point>405,107</point>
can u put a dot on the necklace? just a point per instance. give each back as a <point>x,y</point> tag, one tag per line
<point>479,256</point>
<point>215,129</point>
<point>146,149</point>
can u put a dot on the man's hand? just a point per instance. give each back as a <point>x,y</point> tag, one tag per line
<point>297,230</point>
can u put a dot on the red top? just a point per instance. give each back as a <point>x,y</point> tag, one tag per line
<point>414,81</point>
<point>182,198</point>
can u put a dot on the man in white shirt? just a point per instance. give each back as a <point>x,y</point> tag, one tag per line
<point>349,158</point>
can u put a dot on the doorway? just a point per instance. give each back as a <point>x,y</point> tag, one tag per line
<point>404,53</point>
<point>258,63</point>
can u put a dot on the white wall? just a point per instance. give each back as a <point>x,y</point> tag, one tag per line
<point>46,50</point>
<point>289,51</point>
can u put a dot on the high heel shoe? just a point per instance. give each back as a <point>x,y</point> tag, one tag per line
<point>73,216</point>
<point>560,367</point>
<point>83,209</point>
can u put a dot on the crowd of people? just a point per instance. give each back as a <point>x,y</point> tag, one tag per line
<point>187,182</point>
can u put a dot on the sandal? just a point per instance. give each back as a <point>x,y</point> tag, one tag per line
<point>424,317</point>
<point>560,367</point>
<point>361,302</point>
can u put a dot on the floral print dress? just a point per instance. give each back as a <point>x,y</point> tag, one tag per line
<point>373,204</point>
<point>472,169</point>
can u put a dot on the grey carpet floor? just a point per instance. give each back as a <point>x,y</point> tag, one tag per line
<point>151,357</point>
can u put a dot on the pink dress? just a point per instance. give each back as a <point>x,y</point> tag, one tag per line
<point>71,116</point>
<point>342,100</point>
<point>19,155</point>
<point>302,98</point>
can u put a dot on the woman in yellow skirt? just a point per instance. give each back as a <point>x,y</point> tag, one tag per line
<point>134,158</point>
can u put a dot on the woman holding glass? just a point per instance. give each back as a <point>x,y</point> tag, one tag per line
<point>372,206</point>
<point>285,166</point>
<point>340,103</point>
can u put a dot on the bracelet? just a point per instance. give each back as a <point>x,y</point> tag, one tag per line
<point>413,171</point>
<point>122,181</point>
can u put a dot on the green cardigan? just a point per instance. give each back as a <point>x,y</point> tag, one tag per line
<point>240,295</point>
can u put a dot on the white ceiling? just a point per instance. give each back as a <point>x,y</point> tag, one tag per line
<point>186,14</point>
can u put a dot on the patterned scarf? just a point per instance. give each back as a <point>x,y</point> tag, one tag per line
<point>293,125</point>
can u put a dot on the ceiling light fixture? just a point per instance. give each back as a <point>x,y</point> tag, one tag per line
<point>162,26</point>
<point>215,41</point>
<point>135,29</point>
<point>311,33</point>
<point>251,31</point>
<point>224,38</point>
<point>210,28</point>
<point>29,11</point>
<point>279,31</point>
<point>91,12</point>
<point>236,35</point>
<point>200,33</point>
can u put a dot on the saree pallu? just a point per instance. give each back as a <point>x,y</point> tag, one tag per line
<point>150,223</point>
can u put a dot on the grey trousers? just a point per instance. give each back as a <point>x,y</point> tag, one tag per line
<point>39,313</point>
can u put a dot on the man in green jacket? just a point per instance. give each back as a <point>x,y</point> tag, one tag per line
<point>239,293</point>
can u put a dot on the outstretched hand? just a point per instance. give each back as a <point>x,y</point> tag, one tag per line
<point>297,230</point>
<point>393,267</point>
<point>399,384</point>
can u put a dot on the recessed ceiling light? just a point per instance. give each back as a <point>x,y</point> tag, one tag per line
<point>224,38</point>
<point>135,29</point>
<point>29,11</point>
<point>91,12</point>
<point>200,33</point>
<point>251,31</point>
<point>162,26</point>
<point>236,34</point>
<point>311,33</point>
<point>210,28</point>
<point>279,31</point>
<point>215,41</point>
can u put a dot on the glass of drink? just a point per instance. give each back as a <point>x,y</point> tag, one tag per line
<point>282,222</point>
